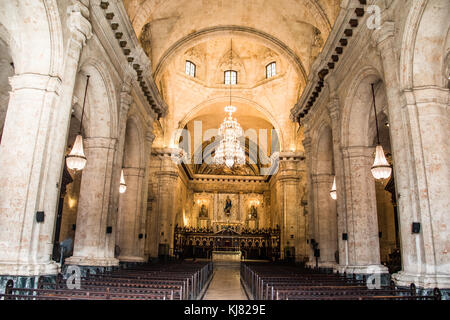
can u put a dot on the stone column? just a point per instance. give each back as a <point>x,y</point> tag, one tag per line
<point>266,220</point>
<point>91,237</point>
<point>34,136</point>
<point>25,245</point>
<point>130,216</point>
<point>362,220</point>
<point>341,213</point>
<point>152,240</point>
<point>216,206</point>
<point>167,185</point>
<point>419,126</point>
<point>307,144</point>
<point>126,100</point>
<point>291,225</point>
<point>325,220</point>
<point>146,214</point>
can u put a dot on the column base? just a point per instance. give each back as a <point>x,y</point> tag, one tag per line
<point>29,269</point>
<point>326,265</point>
<point>92,262</point>
<point>426,281</point>
<point>339,268</point>
<point>25,282</point>
<point>131,259</point>
<point>367,269</point>
<point>369,272</point>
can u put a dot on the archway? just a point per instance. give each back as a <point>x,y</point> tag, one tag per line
<point>93,226</point>
<point>363,212</point>
<point>130,228</point>
<point>324,215</point>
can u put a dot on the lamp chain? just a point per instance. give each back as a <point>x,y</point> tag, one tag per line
<point>84,103</point>
<point>375,110</point>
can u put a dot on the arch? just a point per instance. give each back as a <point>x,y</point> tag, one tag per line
<point>147,9</point>
<point>424,44</point>
<point>323,151</point>
<point>101,103</point>
<point>355,124</point>
<point>193,112</point>
<point>134,143</point>
<point>35,31</point>
<point>207,148</point>
<point>199,36</point>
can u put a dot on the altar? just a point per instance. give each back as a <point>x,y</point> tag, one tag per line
<point>226,256</point>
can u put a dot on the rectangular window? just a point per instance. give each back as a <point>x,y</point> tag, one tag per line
<point>271,70</point>
<point>230,77</point>
<point>190,68</point>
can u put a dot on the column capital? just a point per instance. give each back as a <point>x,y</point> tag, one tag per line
<point>334,109</point>
<point>150,136</point>
<point>125,101</point>
<point>133,172</point>
<point>35,82</point>
<point>322,178</point>
<point>100,143</point>
<point>307,144</point>
<point>383,34</point>
<point>431,94</point>
<point>78,22</point>
<point>358,152</point>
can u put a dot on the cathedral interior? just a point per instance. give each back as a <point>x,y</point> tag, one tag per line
<point>224,141</point>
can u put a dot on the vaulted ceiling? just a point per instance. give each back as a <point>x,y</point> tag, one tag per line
<point>289,32</point>
<point>298,24</point>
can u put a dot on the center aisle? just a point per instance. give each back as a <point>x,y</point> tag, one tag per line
<point>226,283</point>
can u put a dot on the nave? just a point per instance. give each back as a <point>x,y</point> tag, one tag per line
<point>207,280</point>
<point>141,138</point>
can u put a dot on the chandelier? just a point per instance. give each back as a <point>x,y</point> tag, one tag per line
<point>381,168</point>
<point>123,186</point>
<point>76,159</point>
<point>230,150</point>
<point>333,192</point>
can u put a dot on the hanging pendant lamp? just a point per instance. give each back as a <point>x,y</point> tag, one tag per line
<point>230,151</point>
<point>76,159</point>
<point>123,186</point>
<point>381,168</point>
<point>333,192</point>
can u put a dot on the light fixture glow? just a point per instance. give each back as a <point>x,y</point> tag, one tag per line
<point>123,186</point>
<point>76,159</point>
<point>381,168</point>
<point>230,150</point>
<point>333,192</point>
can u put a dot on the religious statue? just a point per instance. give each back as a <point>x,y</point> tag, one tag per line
<point>203,212</point>
<point>253,212</point>
<point>227,209</point>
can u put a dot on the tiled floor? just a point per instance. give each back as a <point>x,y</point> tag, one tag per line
<point>225,284</point>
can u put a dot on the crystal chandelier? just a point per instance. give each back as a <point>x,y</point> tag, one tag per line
<point>230,150</point>
<point>381,168</point>
<point>76,159</point>
<point>333,193</point>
